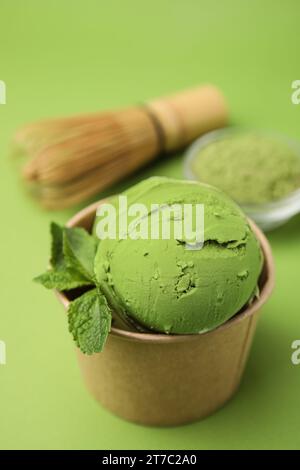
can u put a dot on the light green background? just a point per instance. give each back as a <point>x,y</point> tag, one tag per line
<point>64,56</point>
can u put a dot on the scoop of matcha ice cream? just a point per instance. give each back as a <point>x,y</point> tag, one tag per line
<point>165,287</point>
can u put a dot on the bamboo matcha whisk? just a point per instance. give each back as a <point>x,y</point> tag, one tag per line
<point>74,158</point>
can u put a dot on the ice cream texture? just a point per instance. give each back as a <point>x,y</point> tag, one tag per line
<point>252,168</point>
<point>163,286</point>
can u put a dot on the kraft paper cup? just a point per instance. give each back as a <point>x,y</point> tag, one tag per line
<point>164,380</point>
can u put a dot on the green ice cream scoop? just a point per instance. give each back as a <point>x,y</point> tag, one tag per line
<point>166,287</point>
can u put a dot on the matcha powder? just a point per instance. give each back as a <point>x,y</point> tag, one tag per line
<point>251,168</point>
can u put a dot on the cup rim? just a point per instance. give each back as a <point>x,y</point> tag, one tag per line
<point>268,286</point>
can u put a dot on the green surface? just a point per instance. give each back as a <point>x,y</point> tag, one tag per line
<point>65,57</point>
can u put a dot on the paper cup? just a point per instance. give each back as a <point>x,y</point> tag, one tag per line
<point>164,380</point>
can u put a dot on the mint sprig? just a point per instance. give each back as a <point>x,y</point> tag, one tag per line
<point>57,256</point>
<point>79,249</point>
<point>62,279</point>
<point>90,321</point>
<point>73,252</point>
<point>62,275</point>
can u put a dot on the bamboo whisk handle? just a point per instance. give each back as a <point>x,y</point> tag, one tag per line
<point>184,116</point>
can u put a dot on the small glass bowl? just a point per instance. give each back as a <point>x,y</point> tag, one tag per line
<point>268,215</point>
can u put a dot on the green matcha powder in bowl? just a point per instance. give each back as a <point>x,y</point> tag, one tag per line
<point>260,171</point>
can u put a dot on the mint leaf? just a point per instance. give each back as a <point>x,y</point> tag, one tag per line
<point>79,249</point>
<point>72,259</point>
<point>61,279</point>
<point>89,319</point>
<point>63,276</point>
<point>57,257</point>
